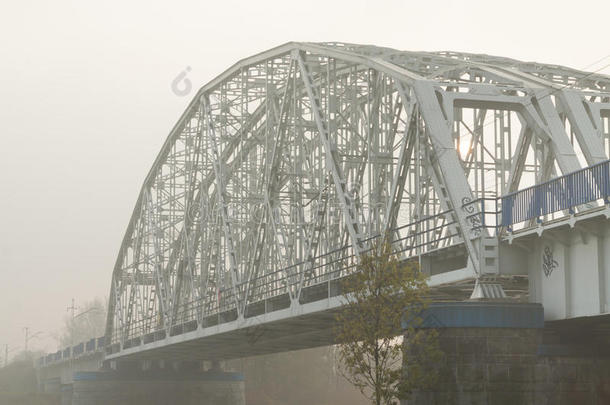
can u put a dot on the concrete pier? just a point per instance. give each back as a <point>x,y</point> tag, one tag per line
<point>130,386</point>
<point>498,353</point>
<point>212,387</point>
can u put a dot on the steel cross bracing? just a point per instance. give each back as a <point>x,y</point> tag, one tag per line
<point>284,166</point>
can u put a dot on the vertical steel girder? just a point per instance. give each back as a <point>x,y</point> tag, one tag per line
<point>283,167</point>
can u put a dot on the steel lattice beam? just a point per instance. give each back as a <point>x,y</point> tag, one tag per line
<point>282,168</point>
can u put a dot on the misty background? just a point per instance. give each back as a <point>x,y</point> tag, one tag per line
<point>86,103</point>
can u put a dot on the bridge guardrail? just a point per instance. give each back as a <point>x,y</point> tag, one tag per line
<point>562,193</point>
<point>71,352</point>
<point>414,238</point>
<point>78,349</point>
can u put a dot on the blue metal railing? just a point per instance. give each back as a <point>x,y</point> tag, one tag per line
<point>563,193</point>
<point>78,349</point>
<point>72,352</point>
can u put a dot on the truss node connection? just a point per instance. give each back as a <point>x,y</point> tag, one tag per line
<point>283,169</point>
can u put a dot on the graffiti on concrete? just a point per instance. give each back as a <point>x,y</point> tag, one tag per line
<point>548,263</point>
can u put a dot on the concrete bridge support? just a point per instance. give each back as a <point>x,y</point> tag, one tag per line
<point>130,385</point>
<point>213,388</point>
<point>499,353</point>
<point>50,385</point>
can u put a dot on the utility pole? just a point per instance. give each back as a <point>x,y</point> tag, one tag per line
<point>29,337</point>
<point>27,331</point>
<point>6,352</point>
<point>73,307</point>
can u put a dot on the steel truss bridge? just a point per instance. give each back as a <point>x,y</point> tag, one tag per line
<point>285,168</point>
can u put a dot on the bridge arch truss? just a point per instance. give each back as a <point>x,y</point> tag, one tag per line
<point>283,168</point>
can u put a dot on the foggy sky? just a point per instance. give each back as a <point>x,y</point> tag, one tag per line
<point>86,103</point>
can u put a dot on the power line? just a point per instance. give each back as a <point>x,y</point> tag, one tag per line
<point>73,307</point>
<point>595,63</point>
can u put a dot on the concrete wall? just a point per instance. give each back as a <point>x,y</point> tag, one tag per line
<point>568,267</point>
<point>577,283</point>
<point>502,366</point>
<point>514,361</point>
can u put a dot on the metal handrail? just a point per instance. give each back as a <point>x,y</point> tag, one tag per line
<point>278,282</point>
<point>562,193</point>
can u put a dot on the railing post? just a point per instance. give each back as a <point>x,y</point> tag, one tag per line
<point>569,193</point>
<point>603,179</point>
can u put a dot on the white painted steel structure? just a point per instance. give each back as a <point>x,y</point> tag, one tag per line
<point>283,168</point>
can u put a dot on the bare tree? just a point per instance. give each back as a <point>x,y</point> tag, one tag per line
<point>88,322</point>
